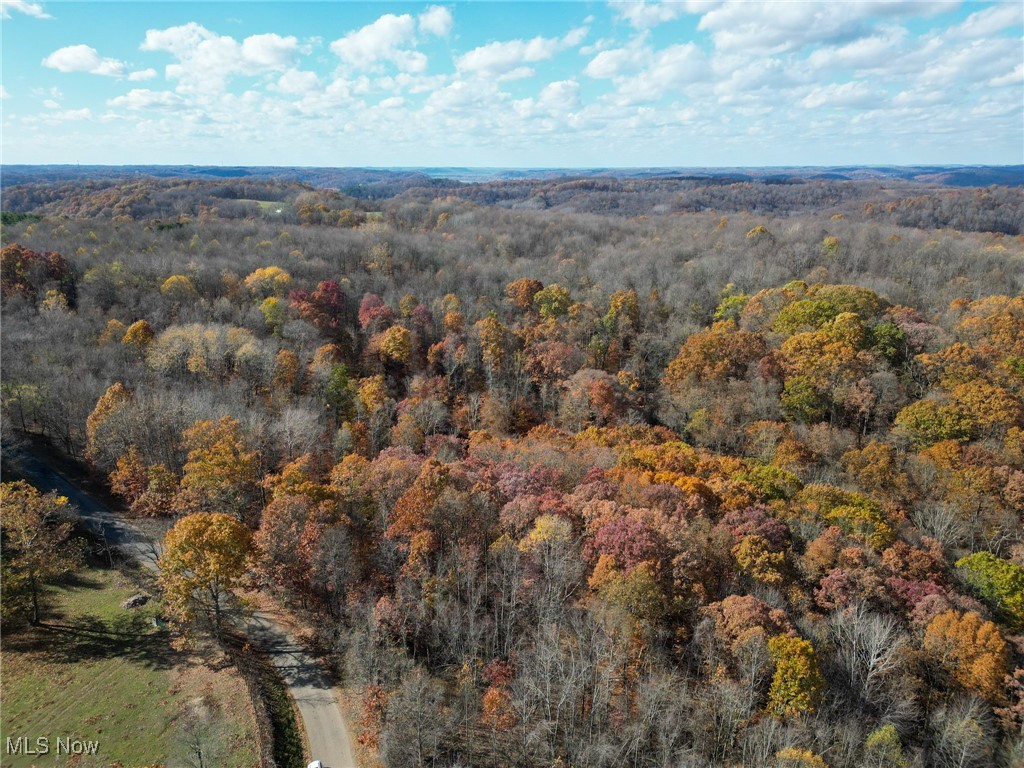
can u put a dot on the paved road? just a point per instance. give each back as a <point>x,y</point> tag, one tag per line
<point>306,678</point>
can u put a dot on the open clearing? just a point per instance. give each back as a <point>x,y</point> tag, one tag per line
<point>268,206</point>
<point>97,672</point>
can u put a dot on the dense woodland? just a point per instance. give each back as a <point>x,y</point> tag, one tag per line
<point>734,476</point>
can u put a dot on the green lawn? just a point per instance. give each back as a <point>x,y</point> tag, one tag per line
<point>97,672</point>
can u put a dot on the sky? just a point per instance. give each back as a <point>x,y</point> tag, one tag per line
<point>513,84</point>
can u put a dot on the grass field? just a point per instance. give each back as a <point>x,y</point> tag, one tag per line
<point>268,206</point>
<point>97,672</point>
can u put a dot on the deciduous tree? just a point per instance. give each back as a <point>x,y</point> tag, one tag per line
<point>36,548</point>
<point>205,556</point>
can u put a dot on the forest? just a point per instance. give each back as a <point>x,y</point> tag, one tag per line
<point>568,471</point>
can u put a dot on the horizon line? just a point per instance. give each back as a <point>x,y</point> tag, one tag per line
<point>514,167</point>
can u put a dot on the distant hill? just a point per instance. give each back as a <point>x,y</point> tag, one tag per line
<point>969,198</point>
<point>384,182</point>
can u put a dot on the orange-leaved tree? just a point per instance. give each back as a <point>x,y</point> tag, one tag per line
<point>971,650</point>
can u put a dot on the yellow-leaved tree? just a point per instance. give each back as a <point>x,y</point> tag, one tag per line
<point>36,549</point>
<point>220,473</point>
<point>205,555</point>
<point>796,685</point>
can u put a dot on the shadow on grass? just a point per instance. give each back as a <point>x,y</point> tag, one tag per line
<point>87,637</point>
<point>78,580</point>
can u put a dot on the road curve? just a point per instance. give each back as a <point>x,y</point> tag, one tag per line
<point>304,675</point>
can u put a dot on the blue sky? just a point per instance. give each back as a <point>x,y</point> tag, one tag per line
<point>534,84</point>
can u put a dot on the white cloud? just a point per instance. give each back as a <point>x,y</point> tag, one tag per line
<point>142,74</point>
<point>143,98</point>
<point>51,104</point>
<point>296,81</point>
<point>776,26</point>
<point>389,39</point>
<point>1016,77</point>
<point>875,50</point>
<point>575,36</point>
<point>21,6</point>
<point>666,71</point>
<point>972,64</point>
<point>179,41</point>
<point>644,15</point>
<point>991,20</point>
<point>83,58</point>
<point>919,99</point>
<point>563,95</point>
<point>738,79</point>
<point>502,59</point>
<point>206,60</point>
<point>852,94</point>
<point>267,53</point>
<point>436,20</point>
<point>618,61</point>
<point>410,83</point>
<point>69,115</point>
<point>464,96</point>
<point>3,93</point>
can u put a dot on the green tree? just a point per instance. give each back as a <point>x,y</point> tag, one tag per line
<point>927,422</point>
<point>883,749</point>
<point>998,582</point>
<point>553,301</point>
<point>340,394</point>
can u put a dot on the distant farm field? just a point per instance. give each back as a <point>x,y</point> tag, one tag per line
<point>97,672</point>
<point>268,206</point>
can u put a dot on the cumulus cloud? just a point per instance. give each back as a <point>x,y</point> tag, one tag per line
<point>436,20</point>
<point>296,81</point>
<point>392,39</point>
<point>739,81</point>
<point>990,21</point>
<point>644,15</point>
<point>385,40</point>
<point>83,58</point>
<point>69,115</point>
<point>21,6</point>
<point>614,62</point>
<point>507,60</point>
<point>463,96</point>
<point>851,94</point>
<point>179,41</point>
<point>563,95</point>
<point>776,26</point>
<point>3,93</point>
<point>1016,77</point>
<point>874,50</point>
<point>666,71</point>
<point>206,60</point>
<point>143,98</point>
<point>142,74</point>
